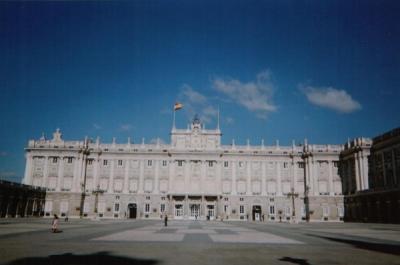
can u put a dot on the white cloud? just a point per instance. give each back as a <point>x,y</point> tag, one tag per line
<point>126,127</point>
<point>96,126</point>
<point>196,103</point>
<point>192,95</point>
<point>331,98</point>
<point>229,120</point>
<point>256,96</point>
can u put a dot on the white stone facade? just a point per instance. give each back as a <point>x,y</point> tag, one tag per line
<point>192,177</point>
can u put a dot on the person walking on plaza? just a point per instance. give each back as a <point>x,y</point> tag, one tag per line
<point>166,220</point>
<point>54,224</point>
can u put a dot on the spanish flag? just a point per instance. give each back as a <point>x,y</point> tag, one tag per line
<point>178,106</point>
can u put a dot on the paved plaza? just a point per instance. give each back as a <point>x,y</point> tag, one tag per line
<point>83,242</point>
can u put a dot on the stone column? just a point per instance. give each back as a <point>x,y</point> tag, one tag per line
<point>126,177</point>
<point>60,173</point>
<point>186,207</point>
<point>366,170</point>
<point>278,178</point>
<point>28,169</point>
<point>45,171</point>
<point>111,181</point>
<point>248,177</point>
<point>263,179</point>
<point>234,192</point>
<point>330,178</point>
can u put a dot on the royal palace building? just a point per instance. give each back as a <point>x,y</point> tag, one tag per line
<point>192,177</point>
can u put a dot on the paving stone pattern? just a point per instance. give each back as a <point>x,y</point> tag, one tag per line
<point>199,231</point>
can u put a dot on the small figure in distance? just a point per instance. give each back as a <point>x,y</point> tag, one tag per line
<point>66,218</point>
<point>166,220</point>
<point>54,225</point>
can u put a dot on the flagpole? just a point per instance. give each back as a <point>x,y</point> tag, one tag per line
<point>173,123</point>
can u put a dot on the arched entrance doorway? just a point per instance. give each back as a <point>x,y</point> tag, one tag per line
<point>132,210</point>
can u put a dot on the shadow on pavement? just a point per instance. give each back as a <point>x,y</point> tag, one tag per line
<point>379,247</point>
<point>99,258</point>
<point>295,261</point>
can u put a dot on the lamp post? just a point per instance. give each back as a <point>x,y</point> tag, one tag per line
<point>306,187</point>
<point>85,153</point>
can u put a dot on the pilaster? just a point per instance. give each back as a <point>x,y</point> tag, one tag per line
<point>219,169</point>
<point>248,177</point>
<point>28,169</point>
<point>157,176</point>
<point>330,178</point>
<point>126,176</point>
<point>111,180</point>
<point>234,164</point>
<point>45,171</point>
<point>60,173</point>
<point>263,179</point>
<point>278,178</point>
<point>96,165</point>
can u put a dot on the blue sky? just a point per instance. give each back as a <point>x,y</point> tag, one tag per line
<point>321,70</point>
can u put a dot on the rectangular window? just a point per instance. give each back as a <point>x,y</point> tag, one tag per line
<point>162,207</point>
<point>105,162</point>
<point>149,163</point>
<point>210,163</point>
<point>163,198</point>
<point>116,207</point>
<point>285,164</point>
<point>225,208</point>
<point>180,162</point>
<point>301,164</point>
<point>335,164</point>
<point>226,164</point>
<point>90,161</point>
<point>148,198</point>
<point>147,208</point>
<point>54,160</point>
<point>164,163</point>
<point>241,199</point>
<point>240,164</point>
<point>69,160</point>
<point>241,209</point>
<point>272,209</point>
<point>119,162</point>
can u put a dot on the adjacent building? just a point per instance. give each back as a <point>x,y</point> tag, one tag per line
<point>18,200</point>
<point>371,178</point>
<point>192,177</point>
